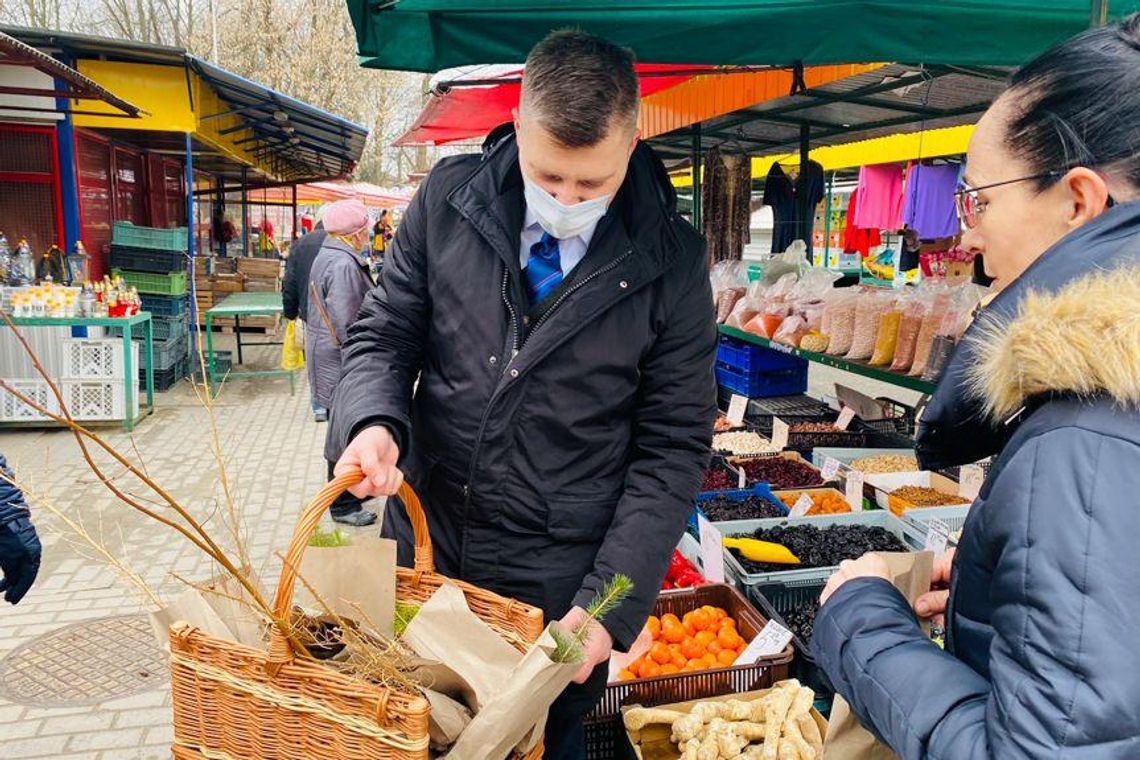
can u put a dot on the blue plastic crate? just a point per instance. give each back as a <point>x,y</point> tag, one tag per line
<point>163,306</point>
<point>760,489</point>
<point>164,328</point>
<point>750,358</point>
<point>763,383</point>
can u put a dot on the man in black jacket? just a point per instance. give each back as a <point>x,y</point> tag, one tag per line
<point>557,313</point>
<point>295,285</point>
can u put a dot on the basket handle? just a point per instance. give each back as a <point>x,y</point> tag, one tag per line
<point>280,649</point>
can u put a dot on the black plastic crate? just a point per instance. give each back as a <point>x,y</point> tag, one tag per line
<point>790,409</point>
<point>604,731</point>
<point>152,260</point>
<point>166,379</point>
<point>776,599</point>
<point>898,418</point>
<point>163,306</point>
<point>167,353</point>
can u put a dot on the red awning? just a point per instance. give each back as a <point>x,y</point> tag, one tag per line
<point>468,112</point>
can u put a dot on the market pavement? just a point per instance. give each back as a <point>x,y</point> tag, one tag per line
<point>272,448</point>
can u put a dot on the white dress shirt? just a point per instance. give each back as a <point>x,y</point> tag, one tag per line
<point>570,251</point>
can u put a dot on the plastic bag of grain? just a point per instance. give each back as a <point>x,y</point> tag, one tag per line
<point>886,339</point>
<point>840,319</point>
<point>867,313</point>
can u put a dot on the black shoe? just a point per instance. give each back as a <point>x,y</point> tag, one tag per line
<point>321,416</point>
<point>357,519</point>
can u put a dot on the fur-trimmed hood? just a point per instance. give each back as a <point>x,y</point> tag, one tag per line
<point>1083,340</point>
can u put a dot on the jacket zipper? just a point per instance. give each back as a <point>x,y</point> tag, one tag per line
<point>574,288</point>
<point>514,323</point>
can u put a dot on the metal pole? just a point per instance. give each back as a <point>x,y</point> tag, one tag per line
<point>222,205</point>
<point>190,229</point>
<point>244,214</point>
<point>806,212</point>
<point>697,176</point>
<point>294,237</point>
<point>1098,13</point>
<point>827,224</point>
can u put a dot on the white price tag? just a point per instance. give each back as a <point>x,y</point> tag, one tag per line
<point>830,468</point>
<point>780,432</point>
<point>741,479</point>
<point>772,640</point>
<point>802,505</point>
<point>970,480</point>
<point>937,536</point>
<point>854,490</point>
<point>736,409</point>
<point>845,418</point>
<point>712,550</point>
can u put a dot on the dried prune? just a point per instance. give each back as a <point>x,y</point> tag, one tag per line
<point>720,509</point>
<point>822,547</point>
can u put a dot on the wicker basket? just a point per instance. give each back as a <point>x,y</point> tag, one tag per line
<point>240,703</point>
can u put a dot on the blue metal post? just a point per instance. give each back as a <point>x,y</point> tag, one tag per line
<point>68,177</point>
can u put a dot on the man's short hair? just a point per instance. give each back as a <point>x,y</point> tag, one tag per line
<point>579,87</point>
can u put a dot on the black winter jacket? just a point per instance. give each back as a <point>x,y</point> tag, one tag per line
<point>1041,658</point>
<point>295,284</point>
<point>551,451</point>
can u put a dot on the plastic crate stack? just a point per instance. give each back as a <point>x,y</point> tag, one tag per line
<point>758,372</point>
<point>154,261</point>
<point>94,376</point>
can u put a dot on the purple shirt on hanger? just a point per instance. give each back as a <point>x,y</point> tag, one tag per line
<point>929,205</point>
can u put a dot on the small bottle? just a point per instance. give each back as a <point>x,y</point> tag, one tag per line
<point>5,259</point>
<point>86,301</point>
<point>23,266</point>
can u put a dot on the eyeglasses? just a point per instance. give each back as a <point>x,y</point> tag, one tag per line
<point>970,208</point>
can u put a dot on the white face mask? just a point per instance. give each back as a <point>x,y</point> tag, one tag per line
<point>559,220</point>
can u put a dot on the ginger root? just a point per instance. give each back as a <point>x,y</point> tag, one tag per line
<point>640,717</point>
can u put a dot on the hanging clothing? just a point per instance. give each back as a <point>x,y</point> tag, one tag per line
<point>792,201</point>
<point>726,203</point>
<point>929,204</point>
<point>858,239</point>
<point>880,194</point>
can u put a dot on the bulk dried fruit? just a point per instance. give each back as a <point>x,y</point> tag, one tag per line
<point>822,502</point>
<point>885,463</point>
<point>722,509</point>
<point>814,427</point>
<point>822,547</point>
<point>703,639</point>
<point>743,443</point>
<point>781,473</point>
<point>926,497</point>
<point>719,479</point>
<point>800,619</point>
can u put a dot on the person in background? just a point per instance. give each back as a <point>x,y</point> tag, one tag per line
<point>381,233</point>
<point>19,545</point>
<point>295,287</point>
<point>338,282</point>
<point>1041,616</point>
<point>539,359</point>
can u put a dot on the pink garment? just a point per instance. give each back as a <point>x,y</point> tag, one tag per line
<point>880,197</point>
<point>346,217</point>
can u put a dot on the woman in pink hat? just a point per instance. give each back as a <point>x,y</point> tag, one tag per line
<point>337,284</point>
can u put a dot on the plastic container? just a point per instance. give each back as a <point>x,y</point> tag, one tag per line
<point>98,399</point>
<point>790,409</point>
<point>801,576</point>
<point>13,409</point>
<point>172,239</point>
<point>774,600</point>
<point>154,260</point>
<point>167,353</point>
<point>164,328</point>
<point>760,490</point>
<point>166,379</point>
<point>163,306</point>
<point>762,384</point>
<point>173,284</point>
<point>96,359</point>
<point>604,732</point>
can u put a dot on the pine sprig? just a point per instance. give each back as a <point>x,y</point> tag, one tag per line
<point>571,646</point>
<point>405,613</point>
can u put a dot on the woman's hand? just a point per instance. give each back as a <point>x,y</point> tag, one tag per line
<point>932,604</point>
<point>868,566</point>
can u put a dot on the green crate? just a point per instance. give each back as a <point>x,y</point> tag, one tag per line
<point>173,239</point>
<point>173,284</point>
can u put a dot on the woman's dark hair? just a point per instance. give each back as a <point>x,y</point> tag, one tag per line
<point>1078,104</point>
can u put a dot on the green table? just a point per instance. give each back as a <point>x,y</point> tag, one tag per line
<point>127,325</point>
<point>240,305</point>
<point>856,368</point>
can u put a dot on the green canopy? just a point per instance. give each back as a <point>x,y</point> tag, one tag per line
<point>430,35</point>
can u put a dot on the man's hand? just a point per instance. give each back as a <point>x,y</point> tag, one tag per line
<point>932,604</point>
<point>19,558</point>
<point>599,644</point>
<point>868,566</point>
<point>375,453</point>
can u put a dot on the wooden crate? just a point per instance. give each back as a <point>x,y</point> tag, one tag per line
<point>228,283</point>
<point>262,285</point>
<point>261,268</point>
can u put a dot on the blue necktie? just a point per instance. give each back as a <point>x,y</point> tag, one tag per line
<point>543,268</point>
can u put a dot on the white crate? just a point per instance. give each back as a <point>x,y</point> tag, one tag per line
<point>12,409</point>
<point>97,399</point>
<point>97,359</point>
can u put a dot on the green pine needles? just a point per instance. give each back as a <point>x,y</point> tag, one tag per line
<point>570,646</point>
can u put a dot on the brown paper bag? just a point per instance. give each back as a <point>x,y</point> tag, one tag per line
<point>446,631</point>
<point>516,715</point>
<point>357,581</point>
<point>447,721</point>
<point>219,606</point>
<point>846,738</point>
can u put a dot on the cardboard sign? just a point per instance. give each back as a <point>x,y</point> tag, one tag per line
<point>736,409</point>
<point>741,479</point>
<point>772,640</point>
<point>830,468</point>
<point>937,536</point>
<point>845,418</point>
<point>780,431</point>
<point>970,480</point>
<point>854,490</point>
<point>801,507</point>
<point>712,550</point>
<point>866,407</point>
